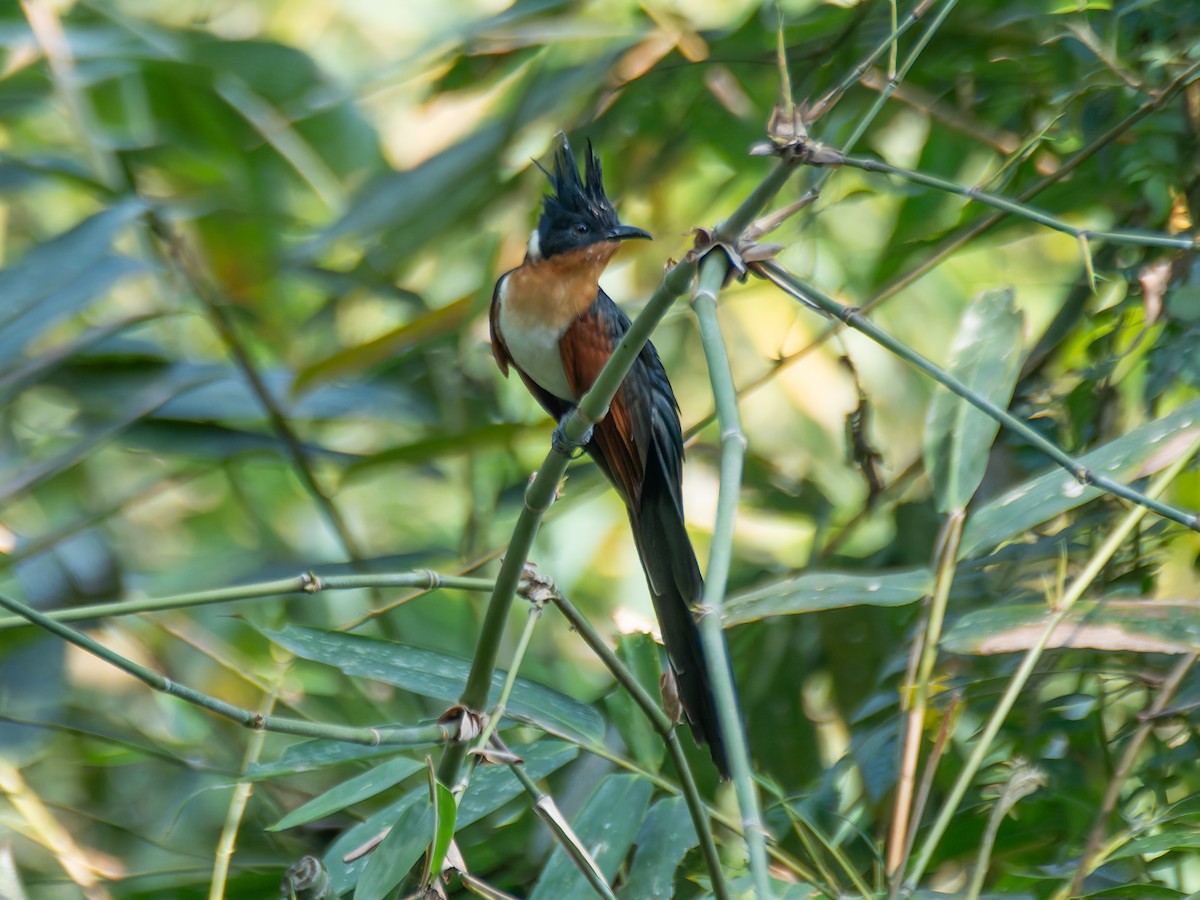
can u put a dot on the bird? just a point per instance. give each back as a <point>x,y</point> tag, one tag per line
<point>553,323</point>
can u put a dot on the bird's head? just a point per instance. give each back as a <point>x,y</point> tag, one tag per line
<point>577,214</point>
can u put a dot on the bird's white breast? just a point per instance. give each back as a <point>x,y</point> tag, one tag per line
<point>533,346</point>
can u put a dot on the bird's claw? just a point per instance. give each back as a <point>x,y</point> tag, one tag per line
<point>562,442</point>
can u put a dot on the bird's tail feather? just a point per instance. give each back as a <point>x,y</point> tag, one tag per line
<point>676,587</point>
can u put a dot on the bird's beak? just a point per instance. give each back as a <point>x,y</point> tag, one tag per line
<point>627,232</point>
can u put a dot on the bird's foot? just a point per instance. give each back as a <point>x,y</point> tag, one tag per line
<point>562,442</point>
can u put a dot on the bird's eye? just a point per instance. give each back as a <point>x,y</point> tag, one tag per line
<point>581,228</point>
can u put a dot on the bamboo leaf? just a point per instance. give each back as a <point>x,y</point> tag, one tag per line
<point>816,591</point>
<point>438,675</point>
<point>405,842</point>
<point>491,787</point>
<point>1154,845</point>
<point>62,275</point>
<point>641,656</point>
<point>986,357</point>
<point>444,823</point>
<point>319,753</point>
<point>606,826</point>
<point>1139,626</point>
<point>352,790</point>
<point>353,361</point>
<point>666,835</point>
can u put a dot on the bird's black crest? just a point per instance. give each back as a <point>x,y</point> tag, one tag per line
<point>574,196</point>
<point>578,212</point>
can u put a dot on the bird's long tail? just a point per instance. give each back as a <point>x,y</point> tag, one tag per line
<point>675,587</point>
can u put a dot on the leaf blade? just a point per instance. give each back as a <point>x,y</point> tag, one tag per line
<point>816,591</point>
<point>986,356</point>
<point>439,676</point>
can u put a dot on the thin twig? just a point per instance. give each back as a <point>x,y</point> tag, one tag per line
<point>863,122</point>
<point>949,716</point>
<point>510,681</point>
<point>917,691</point>
<point>297,584</point>
<point>241,793</point>
<point>415,736</point>
<point>1022,210</point>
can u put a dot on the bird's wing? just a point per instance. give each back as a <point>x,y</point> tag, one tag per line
<point>643,417</point>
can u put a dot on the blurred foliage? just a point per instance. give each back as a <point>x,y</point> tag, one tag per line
<point>317,197</point>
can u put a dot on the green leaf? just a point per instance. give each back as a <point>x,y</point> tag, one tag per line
<point>641,656</point>
<point>62,275</point>
<point>986,357</point>
<point>815,591</point>
<point>207,440</point>
<point>488,437</point>
<point>353,361</point>
<point>445,811</point>
<point>134,409</point>
<point>18,373</point>
<point>606,827</point>
<point>353,790</point>
<point>1138,626</point>
<point>439,676</point>
<point>1174,838</point>
<point>1066,7</point>
<point>1138,454</point>
<point>388,863</point>
<point>1143,891</point>
<point>309,756</point>
<point>664,839</point>
<point>397,201</point>
<point>491,787</point>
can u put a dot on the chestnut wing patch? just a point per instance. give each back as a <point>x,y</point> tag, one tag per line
<point>618,445</point>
